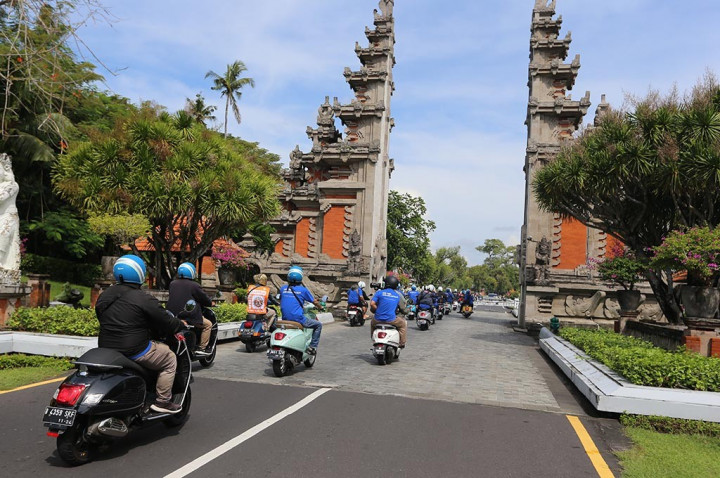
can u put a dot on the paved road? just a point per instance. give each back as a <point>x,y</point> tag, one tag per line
<point>441,421</point>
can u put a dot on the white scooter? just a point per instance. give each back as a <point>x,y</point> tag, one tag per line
<point>455,305</point>
<point>386,343</point>
<point>424,319</point>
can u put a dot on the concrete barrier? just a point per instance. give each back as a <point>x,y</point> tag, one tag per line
<point>609,392</point>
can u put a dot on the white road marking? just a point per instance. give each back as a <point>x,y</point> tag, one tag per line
<point>238,440</point>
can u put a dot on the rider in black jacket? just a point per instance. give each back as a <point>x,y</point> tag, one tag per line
<point>183,289</point>
<point>127,317</point>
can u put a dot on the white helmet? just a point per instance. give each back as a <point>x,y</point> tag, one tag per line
<point>361,284</point>
<point>431,288</point>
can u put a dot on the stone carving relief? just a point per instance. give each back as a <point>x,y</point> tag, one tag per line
<point>583,306</point>
<point>538,273</point>
<point>380,257</point>
<point>317,289</point>
<point>9,224</point>
<point>313,238</point>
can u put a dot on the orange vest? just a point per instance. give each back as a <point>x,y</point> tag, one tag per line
<point>258,300</point>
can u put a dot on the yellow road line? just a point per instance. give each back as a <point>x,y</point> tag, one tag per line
<point>596,458</point>
<point>33,385</point>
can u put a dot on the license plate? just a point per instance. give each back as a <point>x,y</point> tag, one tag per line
<point>59,416</point>
<point>421,321</point>
<point>275,354</point>
<point>247,332</point>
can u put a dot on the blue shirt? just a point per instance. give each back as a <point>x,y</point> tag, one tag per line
<point>413,295</point>
<point>291,307</point>
<point>387,301</point>
<point>353,297</point>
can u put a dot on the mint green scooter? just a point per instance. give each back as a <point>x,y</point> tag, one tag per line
<point>289,344</point>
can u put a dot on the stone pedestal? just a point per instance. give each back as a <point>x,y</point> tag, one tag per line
<point>39,290</point>
<point>701,341</point>
<point>11,297</point>
<point>98,289</point>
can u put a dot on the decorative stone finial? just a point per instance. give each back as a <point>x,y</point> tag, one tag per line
<point>386,7</point>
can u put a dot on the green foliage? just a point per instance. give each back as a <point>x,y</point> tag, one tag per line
<point>671,425</point>
<point>644,364</point>
<point>190,183</point>
<point>408,236</point>
<point>230,312</point>
<point>121,228</point>
<point>498,273</point>
<point>64,233</point>
<point>61,270</point>
<point>199,110</point>
<point>10,361</point>
<point>55,320</point>
<point>621,267</point>
<point>641,174</point>
<point>695,250</point>
<point>241,294</point>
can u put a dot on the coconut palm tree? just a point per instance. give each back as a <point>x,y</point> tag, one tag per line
<point>229,85</point>
<point>200,111</point>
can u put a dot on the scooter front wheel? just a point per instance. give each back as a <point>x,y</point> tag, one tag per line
<point>180,417</point>
<point>207,361</point>
<point>72,447</point>
<point>310,361</point>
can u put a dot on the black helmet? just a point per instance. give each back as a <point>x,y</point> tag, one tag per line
<point>391,282</point>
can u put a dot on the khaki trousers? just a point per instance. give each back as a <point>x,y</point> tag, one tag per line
<point>161,359</point>
<point>399,322</point>
<point>205,334</point>
<point>270,317</point>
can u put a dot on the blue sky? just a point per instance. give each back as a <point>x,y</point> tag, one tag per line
<point>461,79</point>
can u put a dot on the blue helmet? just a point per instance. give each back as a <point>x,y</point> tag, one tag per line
<point>295,274</point>
<point>413,287</point>
<point>129,268</point>
<point>187,271</point>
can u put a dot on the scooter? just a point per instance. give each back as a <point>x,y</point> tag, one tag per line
<point>355,316</point>
<point>446,308</point>
<point>386,343</point>
<point>253,332</point>
<point>110,395</point>
<point>412,312</point>
<point>205,358</point>
<point>439,312</point>
<point>289,344</point>
<point>424,319</point>
<point>455,306</point>
<point>467,311</point>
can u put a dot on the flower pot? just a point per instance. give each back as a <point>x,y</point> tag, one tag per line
<point>700,302</point>
<point>629,300</point>
<point>227,276</point>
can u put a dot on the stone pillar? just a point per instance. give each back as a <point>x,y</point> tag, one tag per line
<point>11,297</point>
<point>98,289</point>
<point>40,290</point>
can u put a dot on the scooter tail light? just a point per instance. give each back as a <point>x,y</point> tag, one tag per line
<point>280,335</point>
<point>382,335</point>
<point>53,434</point>
<point>68,394</point>
<point>248,324</point>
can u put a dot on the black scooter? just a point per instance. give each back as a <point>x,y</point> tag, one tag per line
<point>108,396</point>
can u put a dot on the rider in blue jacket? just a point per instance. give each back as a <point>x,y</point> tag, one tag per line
<point>292,301</point>
<point>413,294</point>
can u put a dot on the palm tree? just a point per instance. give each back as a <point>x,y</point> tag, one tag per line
<point>200,111</point>
<point>230,85</point>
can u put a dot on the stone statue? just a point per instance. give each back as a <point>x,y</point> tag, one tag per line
<point>9,224</point>
<point>539,272</point>
<point>583,306</point>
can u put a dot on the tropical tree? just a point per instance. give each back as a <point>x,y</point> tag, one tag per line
<point>498,273</point>
<point>199,110</point>
<point>191,184</point>
<point>229,86</point>
<point>408,235</point>
<point>641,174</point>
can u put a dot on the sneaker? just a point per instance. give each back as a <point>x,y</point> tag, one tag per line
<point>311,350</point>
<point>165,407</point>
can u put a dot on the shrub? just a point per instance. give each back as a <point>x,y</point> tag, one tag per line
<point>230,313</point>
<point>696,250</point>
<point>671,425</point>
<point>621,267</point>
<point>642,363</point>
<point>20,361</point>
<point>55,320</point>
<point>241,294</point>
<point>61,270</point>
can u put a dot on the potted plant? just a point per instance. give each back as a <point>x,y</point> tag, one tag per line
<point>621,267</point>
<point>697,252</point>
<point>229,261</point>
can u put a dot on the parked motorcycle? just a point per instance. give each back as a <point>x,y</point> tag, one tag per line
<point>110,395</point>
<point>289,344</point>
<point>467,311</point>
<point>253,332</point>
<point>386,343</point>
<point>355,316</point>
<point>424,319</point>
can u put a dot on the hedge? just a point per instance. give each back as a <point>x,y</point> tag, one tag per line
<point>230,312</point>
<point>55,320</point>
<point>671,425</point>
<point>61,270</point>
<point>642,363</point>
<point>21,361</point>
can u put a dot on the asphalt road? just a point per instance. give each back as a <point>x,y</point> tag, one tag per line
<point>339,434</point>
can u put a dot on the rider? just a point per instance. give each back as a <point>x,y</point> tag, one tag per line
<point>292,301</point>
<point>449,296</point>
<point>357,297</point>
<point>258,298</point>
<point>413,294</point>
<point>468,300</point>
<point>433,294</point>
<point>424,300</point>
<point>126,315</point>
<point>184,289</point>
<point>385,303</point>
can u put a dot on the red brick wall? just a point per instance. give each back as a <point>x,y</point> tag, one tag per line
<point>573,252</point>
<point>333,232</point>
<point>302,235</point>
<point>279,247</point>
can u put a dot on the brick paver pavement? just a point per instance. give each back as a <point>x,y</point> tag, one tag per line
<point>476,360</point>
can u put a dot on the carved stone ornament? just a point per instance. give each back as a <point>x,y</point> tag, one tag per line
<point>317,289</point>
<point>9,224</point>
<point>583,306</point>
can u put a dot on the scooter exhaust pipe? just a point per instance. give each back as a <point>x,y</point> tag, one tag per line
<point>110,427</point>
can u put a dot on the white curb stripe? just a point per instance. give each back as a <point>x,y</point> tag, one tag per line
<point>238,440</point>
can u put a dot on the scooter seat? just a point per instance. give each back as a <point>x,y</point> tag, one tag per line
<point>289,324</point>
<point>109,359</point>
<point>385,326</point>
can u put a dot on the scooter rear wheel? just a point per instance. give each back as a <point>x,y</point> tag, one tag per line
<point>250,347</point>
<point>380,359</point>
<point>280,367</point>
<point>72,446</point>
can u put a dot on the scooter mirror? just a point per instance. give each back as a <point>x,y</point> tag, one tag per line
<point>190,305</point>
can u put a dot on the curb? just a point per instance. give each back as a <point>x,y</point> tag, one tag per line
<point>609,392</point>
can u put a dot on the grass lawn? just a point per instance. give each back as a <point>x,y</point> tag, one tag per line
<point>17,377</point>
<point>57,288</point>
<point>670,455</point>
